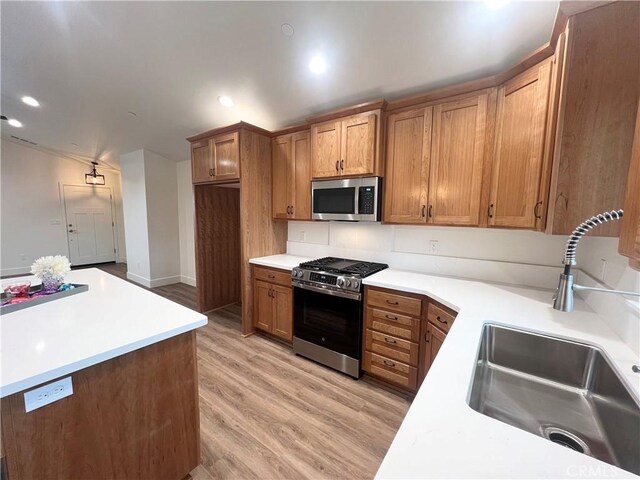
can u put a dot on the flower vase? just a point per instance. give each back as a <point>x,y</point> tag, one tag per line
<point>51,283</point>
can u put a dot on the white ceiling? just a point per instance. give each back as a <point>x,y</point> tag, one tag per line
<point>89,63</point>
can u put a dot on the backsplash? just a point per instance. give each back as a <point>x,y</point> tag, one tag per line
<point>508,256</point>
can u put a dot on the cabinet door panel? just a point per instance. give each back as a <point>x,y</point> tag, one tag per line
<point>358,141</point>
<point>201,162</point>
<point>263,306</point>
<point>302,176</point>
<point>226,155</point>
<point>433,338</point>
<point>282,181</point>
<point>408,155</point>
<point>518,154</point>
<point>325,149</point>
<point>456,161</point>
<point>283,312</point>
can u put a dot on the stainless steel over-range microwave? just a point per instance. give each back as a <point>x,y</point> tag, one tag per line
<point>350,199</point>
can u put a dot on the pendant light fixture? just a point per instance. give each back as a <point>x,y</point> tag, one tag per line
<point>93,178</point>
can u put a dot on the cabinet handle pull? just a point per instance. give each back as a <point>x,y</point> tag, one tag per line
<point>430,211</point>
<point>390,340</point>
<point>269,293</point>
<point>535,209</point>
<point>211,172</point>
<point>337,165</point>
<point>424,207</point>
<point>441,321</point>
<point>392,303</point>
<point>288,209</point>
<point>388,363</point>
<point>391,317</point>
<point>490,211</point>
<point>291,209</point>
<point>341,164</point>
<point>426,337</point>
<point>271,276</point>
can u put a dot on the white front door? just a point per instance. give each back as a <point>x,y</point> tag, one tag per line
<point>89,224</point>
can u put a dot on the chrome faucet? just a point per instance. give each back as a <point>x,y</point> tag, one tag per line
<point>563,299</point>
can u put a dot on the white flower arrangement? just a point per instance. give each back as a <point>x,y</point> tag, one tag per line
<point>56,266</point>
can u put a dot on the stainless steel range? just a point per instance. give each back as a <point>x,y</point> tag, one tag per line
<point>327,322</point>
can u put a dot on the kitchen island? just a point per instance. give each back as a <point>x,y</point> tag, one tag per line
<point>131,357</point>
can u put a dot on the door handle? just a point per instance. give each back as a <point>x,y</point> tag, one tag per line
<point>337,165</point>
<point>430,211</point>
<point>423,210</point>
<point>535,210</point>
<point>341,164</point>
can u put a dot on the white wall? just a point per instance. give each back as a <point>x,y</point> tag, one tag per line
<point>186,223</point>
<point>134,202</point>
<point>32,209</point>
<point>150,193</point>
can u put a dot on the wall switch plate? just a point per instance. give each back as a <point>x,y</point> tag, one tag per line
<point>47,394</point>
<point>433,247</point>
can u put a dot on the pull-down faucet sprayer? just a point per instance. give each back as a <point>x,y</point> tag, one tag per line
<point>563,299</point>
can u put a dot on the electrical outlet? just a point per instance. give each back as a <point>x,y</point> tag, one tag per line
<point>433,247</point>
<point>47,394</point>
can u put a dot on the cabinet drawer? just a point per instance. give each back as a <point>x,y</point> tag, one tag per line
<point>393,323</point>
<point>392,347</point>
<point>281,277</point>
<point>440,317</point>
<point>392,301</point>
<point>391,370</point>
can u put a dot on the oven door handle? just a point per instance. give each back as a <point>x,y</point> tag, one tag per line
<point>349,295</point>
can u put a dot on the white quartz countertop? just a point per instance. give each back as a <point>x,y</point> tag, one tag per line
<point>114,317</point>
<point>282,261</point>
<point>441,436</point>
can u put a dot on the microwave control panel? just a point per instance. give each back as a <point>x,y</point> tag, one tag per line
<point>366,200</point>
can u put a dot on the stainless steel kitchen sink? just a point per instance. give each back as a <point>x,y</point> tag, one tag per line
<point>564,391</point>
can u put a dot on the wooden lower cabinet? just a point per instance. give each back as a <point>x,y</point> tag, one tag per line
<point>403,333</point>
<point>432,340</point>
<point>273,302</point>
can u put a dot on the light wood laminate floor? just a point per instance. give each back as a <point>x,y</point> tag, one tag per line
<point>266,413</point>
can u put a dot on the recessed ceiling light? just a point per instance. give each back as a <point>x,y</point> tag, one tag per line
<point>133,114</point>
<point>287,29</point>
<point>225,101</point>
<point>32,102</point>
<point>318,65</point>
<point>496,4</point>
<point>15,123</point>
<point>74,144</point>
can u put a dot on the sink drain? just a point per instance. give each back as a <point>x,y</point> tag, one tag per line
<point>566,439</point>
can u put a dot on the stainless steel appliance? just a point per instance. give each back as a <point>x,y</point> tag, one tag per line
<point>351,199</point>
<point>327,321</point>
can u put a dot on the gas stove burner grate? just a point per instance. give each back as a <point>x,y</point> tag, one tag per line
<point>344,266</point>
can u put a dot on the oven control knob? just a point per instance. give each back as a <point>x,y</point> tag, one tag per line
<point>299,273</point>
<point>348,283</point>
<point>340,282</point>
<point>356,284</point>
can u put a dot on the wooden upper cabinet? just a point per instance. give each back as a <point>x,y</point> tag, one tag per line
<point>201,162</point>
<point>301,206</point>
<point>226,156</point>
<point>516,199</point>
<point>291,189</point>
<point>457,155</point>
<point>347,146</point>
<point>282,176</point>
<point>407,173</point>
<point>358,145</point>
<point>596,117</point>
<point>629,244</point>
<point>325,147</point>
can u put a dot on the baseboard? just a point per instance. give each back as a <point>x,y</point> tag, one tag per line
<point>145,282</point>
<point>15,271</point>
<point>188,280</point>
<point>160,282</point>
